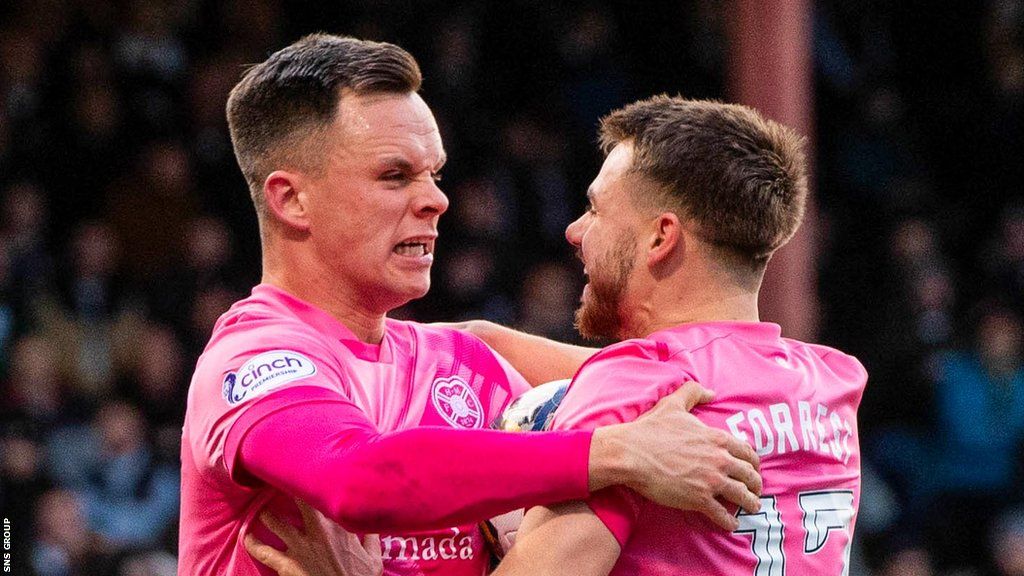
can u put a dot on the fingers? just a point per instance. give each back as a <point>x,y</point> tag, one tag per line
<point>738,494</point>
<point>745,473</point>
<point>310,520</point>
<point>745,484</point>
<point>261,552</point>
<point>270,557</point>
<point>719,515</point>
<point>692,394</point>
<point>740,449</point>
<point>283,530</point>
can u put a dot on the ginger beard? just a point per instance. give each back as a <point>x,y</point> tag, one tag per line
<point>600,314</point>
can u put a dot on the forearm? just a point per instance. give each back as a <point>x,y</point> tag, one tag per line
<point>417,479</point>
<point>610,461</point>
<point>397,481</point>
<point>554,537</point>
<point>538,359</point>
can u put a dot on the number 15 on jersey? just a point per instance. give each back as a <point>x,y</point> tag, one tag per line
<point>823,512</point>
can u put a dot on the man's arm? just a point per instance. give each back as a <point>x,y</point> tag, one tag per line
<point>549,539</point>
<point>553,537</point>
<point>538,359</point>
<point>327,453</point>
<point>320,548</point>
<point>320,448</point>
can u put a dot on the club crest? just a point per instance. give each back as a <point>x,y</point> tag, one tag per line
<point>456,402</point>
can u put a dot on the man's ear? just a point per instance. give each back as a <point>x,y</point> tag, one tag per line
<point>286,199</point>
<point>666,236</point>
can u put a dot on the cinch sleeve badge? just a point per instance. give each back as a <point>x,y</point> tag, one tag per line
<point>263,373</point>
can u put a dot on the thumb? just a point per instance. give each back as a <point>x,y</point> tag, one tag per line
<point>371,543</point>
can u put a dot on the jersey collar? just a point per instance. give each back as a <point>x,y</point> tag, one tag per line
<point>326,324</point>
<point>765,332</point>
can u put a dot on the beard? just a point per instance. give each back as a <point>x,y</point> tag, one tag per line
<point>600,316</point>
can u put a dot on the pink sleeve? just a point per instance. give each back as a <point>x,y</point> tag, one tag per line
<point>319,447</point>
<point>618,385</point>
<point>224,388</point>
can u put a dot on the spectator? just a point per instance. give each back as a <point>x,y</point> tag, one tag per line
<point>470,280</point>
<point>150,564</point>
<point>23,235</point>
<point>548,299</point>
<point>206,263</point>
<point>129,498</point>
<point>150,209</point>
<point>1008,543</point>
<point>157,383</point>
<point>912,561</point>
<point>980,429</point>
<point>35,391</point>
<point>210,302</point>
<point>1004,260</point>
<point>22,474</point>
<point>65,546</point>
<point>89,313</point>
<point>980,406</point>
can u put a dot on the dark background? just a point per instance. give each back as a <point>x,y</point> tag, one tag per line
<point>126,229</point>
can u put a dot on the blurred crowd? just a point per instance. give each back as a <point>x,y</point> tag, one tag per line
<point>126,230</point>
<point>920,133</point>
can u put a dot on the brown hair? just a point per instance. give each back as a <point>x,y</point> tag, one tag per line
<point>293,95</point>
<point>739,177</point>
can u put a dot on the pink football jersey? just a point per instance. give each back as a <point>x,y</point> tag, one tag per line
<point>272,341</point>
<point>795,403</point>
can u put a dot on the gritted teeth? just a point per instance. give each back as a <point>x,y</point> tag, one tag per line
<point>414,248</point>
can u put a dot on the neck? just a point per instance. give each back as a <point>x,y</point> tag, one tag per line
<point>667,305</point>
<point>306,278</point>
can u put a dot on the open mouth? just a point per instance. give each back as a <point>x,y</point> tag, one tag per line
<point>414,247</point>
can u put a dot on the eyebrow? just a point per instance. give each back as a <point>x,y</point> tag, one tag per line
<point>401,163</point>
<point>396,162</point>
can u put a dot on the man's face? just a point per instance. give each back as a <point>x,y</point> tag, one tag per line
<point>374,209</point>
<point>999,338</point>
<point>605,237</point>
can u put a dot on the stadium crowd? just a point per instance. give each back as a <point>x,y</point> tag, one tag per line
<point>121,207</point>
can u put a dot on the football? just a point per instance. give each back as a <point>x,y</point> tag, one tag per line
<point>531,412</point>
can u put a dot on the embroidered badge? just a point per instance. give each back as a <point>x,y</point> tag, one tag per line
<point>456,402</point>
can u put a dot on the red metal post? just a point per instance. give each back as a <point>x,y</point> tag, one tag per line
<point>770,68</point>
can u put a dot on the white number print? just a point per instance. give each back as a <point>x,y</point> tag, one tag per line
<point>823,512</point>
<point>766,537</point>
